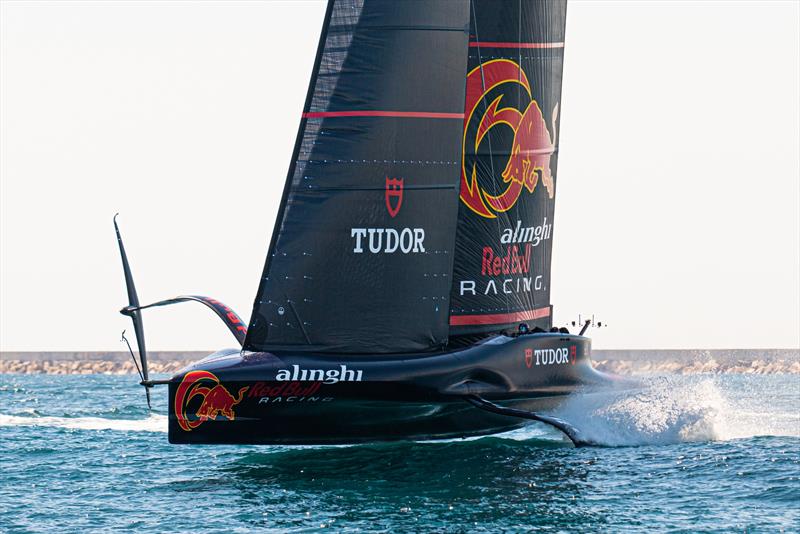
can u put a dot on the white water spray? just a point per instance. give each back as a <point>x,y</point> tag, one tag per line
<point>673,409</point>
<point>153,423</point>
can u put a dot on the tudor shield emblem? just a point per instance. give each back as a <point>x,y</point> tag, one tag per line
<point>528,358</point>
<point>394,195</point>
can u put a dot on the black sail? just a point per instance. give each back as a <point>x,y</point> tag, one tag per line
<point>510,148</point>
<point>361,257</point>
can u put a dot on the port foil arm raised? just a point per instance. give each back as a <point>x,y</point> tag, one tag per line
<point>228,316</point>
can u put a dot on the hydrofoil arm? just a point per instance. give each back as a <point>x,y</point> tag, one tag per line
<point>575,435</point>
<point>228,316</point>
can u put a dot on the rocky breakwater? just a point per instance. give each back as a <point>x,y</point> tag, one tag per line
<point>623,362</point>
<point>87,363</point>
<point>755,367</point>
<point>689,362</point>
<point>85,367</point>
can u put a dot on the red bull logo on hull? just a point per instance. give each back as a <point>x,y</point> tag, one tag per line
<point>531,150</point>
<point>215,400</point>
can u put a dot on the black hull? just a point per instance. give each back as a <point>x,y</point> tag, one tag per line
<point>282,398</point>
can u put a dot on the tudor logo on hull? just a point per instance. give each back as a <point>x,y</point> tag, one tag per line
<point>559,356</point>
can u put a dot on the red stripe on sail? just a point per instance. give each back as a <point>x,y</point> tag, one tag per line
<point>499,318</point>
<point>404,114</point>
<point>487,44</point>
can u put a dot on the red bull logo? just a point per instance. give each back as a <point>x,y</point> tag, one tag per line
<point>528,160</point>
<point>215,400</point>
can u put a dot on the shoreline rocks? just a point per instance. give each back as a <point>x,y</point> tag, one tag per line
<point>644,367</point>
<point>86,367</point>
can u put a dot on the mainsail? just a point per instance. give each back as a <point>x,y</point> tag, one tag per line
<point>419,202</point>
<point>361,257</point>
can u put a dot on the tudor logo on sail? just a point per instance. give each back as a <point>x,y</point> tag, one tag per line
<point>491,88</point>
<point>393,195</point>
<point>389,240</point>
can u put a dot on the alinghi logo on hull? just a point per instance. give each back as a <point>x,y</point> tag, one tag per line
<point>327,376</point>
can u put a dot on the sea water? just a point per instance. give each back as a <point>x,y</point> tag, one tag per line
<point>686,453</point>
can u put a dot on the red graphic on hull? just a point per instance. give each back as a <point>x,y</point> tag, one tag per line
<point>216,400</point>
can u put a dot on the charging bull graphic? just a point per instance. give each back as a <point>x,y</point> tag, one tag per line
<point>531,150</point>
<point>216,400</point>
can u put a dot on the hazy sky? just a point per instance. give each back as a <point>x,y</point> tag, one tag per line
<point>678,209</point>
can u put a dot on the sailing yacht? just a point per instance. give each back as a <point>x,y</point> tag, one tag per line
<point>406,289</point>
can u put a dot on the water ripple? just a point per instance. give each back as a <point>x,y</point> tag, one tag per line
<point>87,456</point>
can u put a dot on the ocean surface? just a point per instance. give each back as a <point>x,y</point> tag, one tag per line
<point>686,453</point>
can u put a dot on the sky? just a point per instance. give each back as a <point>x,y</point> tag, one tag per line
<point>678,208</point>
